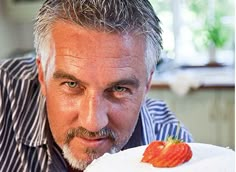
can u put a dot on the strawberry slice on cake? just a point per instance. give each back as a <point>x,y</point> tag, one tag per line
<point>168,153</point>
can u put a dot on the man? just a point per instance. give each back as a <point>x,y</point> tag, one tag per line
<point>84,95</point>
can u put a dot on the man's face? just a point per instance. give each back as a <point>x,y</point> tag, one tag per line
<point>94,88</point>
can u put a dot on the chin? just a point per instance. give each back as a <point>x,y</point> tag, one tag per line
<point>81,162</point>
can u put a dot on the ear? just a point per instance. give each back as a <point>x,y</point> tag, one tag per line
<point>41,76</point>
<point>148,86</point>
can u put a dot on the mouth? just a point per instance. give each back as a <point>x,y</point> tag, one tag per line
<point>87,137</point>
<point>93,142</point>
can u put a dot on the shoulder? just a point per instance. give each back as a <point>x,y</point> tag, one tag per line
<point>159,110</point>
<point>20,68</point>
<point>165,122</point>
<point>153,104</point>
<point>17,76</point>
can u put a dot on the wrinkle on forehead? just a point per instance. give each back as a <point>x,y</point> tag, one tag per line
<point>108,62</point>
<point>70,36</point>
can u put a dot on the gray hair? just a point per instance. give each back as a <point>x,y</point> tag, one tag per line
<point>118,16</point>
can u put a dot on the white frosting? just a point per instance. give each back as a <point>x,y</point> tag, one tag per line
<point>205,158</point>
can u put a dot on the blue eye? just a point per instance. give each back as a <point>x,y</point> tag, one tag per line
<point>72,84</point>
<point>119,89</point>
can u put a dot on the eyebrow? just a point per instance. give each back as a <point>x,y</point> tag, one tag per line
<point>132,81</point>
<point>63,75</point>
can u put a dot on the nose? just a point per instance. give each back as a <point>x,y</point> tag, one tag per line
<point>93,112</point>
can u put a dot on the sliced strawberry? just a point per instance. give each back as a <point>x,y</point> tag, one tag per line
<point>180,156</point>
<point>167,154</point>
<point>153,150</point>
<point>190,154</point>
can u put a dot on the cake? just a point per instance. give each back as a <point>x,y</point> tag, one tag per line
<point>205,157</point>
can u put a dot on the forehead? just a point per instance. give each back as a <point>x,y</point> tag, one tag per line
<point>83,52</point>
<point>74,38</point>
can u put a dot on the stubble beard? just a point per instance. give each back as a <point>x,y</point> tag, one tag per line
<point>79,163</point>
<point>82,164</point>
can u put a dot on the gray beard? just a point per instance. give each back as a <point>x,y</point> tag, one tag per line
<point>82,164</point>
<point>81,132</point>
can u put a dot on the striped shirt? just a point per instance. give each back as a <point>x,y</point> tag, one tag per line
<point>26,144</point>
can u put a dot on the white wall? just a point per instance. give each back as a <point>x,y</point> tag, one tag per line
<point>14,36</point>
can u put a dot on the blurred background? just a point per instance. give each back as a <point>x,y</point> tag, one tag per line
<point>196,72</point>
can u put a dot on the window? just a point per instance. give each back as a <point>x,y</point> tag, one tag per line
<point>195,30</point>
<point>22,11</point>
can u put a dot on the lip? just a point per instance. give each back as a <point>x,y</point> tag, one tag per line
<point>92,142</point>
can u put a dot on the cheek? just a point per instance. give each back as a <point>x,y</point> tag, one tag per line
<point>124,118</point>
<point>61,115</point>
